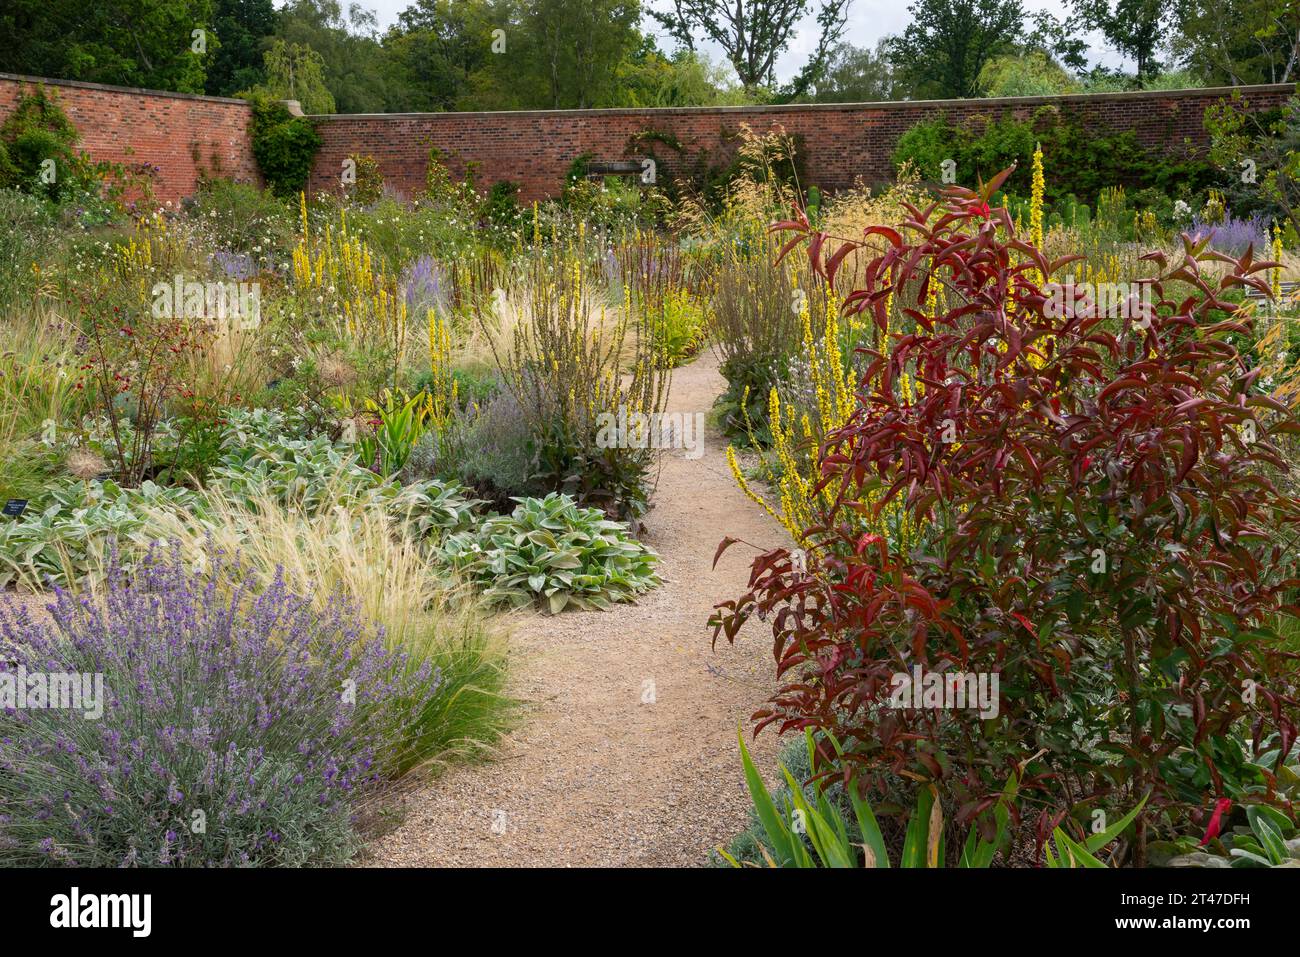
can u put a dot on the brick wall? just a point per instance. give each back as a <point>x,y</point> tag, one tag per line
<point>182,134</point>
<point>187,135</point>
<point>841,142</point>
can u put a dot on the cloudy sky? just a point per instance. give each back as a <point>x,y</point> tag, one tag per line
<point>869,20</point>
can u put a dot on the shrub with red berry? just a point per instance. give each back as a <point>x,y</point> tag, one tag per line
<point>135,365</point>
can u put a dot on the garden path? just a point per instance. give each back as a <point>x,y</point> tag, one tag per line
<point>593,776</point>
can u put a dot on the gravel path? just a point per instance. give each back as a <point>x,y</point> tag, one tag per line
<point>595,775</point>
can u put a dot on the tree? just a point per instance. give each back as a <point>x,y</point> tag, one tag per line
<point>687,78</point>
<point>573,47</point>
<point>295,72</point>
<point>1059,40</point>
<point>351,55</point>
<point>754,34</point>
<point>1136,28</point>
<point>243,28</point>
<point>1027,74</point>
<point>1239,41</point>
<point>438,46</point>
<point>147,43</point>
<point>944,48</point>
<point>856,75</point>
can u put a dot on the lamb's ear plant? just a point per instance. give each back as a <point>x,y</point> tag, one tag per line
<point>1265,845</point>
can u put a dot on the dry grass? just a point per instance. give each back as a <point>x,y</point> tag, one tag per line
<point>360,554</point>
<point>38,372</point>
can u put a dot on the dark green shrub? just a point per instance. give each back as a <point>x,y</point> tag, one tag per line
<point>1081,161</point>
<point>283,144</point>
<point>741,410</point>
<point>38,130</point>
<point>501,208</point>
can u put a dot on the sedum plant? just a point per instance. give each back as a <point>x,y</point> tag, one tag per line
<point>553,553</point>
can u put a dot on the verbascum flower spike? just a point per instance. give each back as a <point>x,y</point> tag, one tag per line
<point>1037,190</point>
<point>1277,257</point>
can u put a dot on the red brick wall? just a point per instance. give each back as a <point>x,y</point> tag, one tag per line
<point>841,142</point>
<point>182,134</point>
<point>187,135</point>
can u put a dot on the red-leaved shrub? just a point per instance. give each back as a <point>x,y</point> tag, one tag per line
<point>1101,529</point>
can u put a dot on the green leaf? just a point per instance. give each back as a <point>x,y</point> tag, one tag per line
<point>778,833</point>
<point>1268,835</point>
<point>917,848</point>
<point>1096,842</point>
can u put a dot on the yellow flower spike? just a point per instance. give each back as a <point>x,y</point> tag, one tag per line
<point>1277,257</point>
<point>1037,191</point>
<point>734,463</point>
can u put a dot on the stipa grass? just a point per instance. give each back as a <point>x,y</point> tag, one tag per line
<point>241,725</point>
<point>359,550</point>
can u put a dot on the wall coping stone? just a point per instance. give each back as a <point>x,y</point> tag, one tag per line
<point>1011,101</point>
<point>136,90</point>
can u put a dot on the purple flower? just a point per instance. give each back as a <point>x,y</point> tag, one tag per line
<point>222,704</point>
<point>422,286</point>
<point>237,266</point>
<point>1233,235</point>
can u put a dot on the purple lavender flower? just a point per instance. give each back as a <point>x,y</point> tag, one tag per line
<point>244,709</point>
<point>1233,235</point>
<point>237,266</point>
<point>422,285</point>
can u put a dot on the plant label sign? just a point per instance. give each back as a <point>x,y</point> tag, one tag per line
<point>15,507</point>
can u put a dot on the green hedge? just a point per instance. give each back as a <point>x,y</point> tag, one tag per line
<point>1079,161</point>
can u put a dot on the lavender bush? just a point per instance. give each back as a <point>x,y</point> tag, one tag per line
<point>239,726</point>
<point>234,265</point>
<point>1232,235</point>
<point>496,456</point>
<point>422,284</point>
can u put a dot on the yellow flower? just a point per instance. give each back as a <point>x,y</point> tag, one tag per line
<point>1037,189</point>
